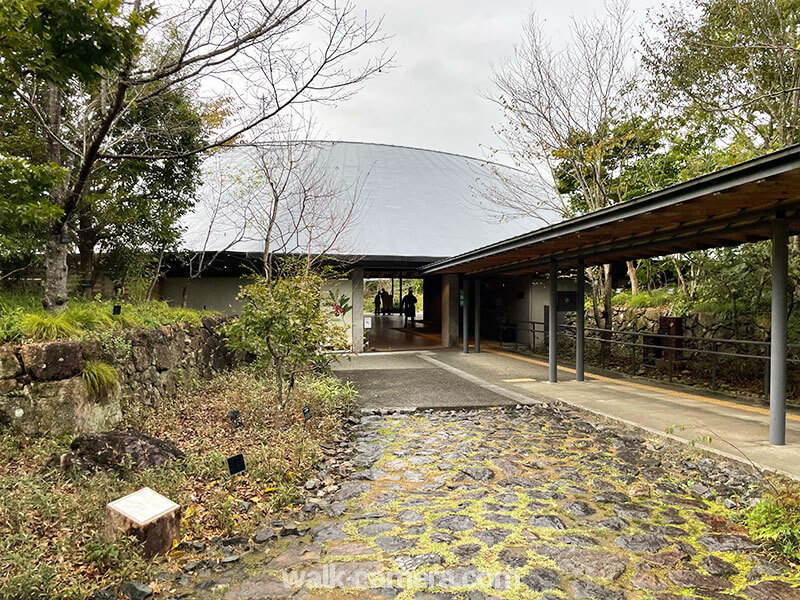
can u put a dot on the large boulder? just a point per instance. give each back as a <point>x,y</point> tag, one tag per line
<point>119,450</point>
<point>60,407</point>
<point>52,360</point>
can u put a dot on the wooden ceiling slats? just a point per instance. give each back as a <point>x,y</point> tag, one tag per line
<point>727,217</point>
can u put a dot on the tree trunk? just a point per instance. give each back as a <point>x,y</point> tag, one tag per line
<point>185,293</point>
<point>607,321</point>
<point>151,288</point>
<point>56,250</point>
<point>279,383</point>
<point>633,277</point>
<point>86,243</point>
<point>87,269</point>
<point>55,274</point>
<point>608,291</point>
<point>596,276</point>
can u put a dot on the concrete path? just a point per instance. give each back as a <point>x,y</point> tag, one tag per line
<point>449,378</point>
<point>388,333</point>
<point>535,502</point>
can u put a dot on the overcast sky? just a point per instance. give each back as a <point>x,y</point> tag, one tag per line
<point>444,52</point>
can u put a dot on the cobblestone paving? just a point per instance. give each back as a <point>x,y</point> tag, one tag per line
<point>533,502</point>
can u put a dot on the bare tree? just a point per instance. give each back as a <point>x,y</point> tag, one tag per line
<point>252,59</point>
<point>219,219</point>
<point>524,191</point>
<point>560,105</point>
<point>305,207</point>
<point>281,195</point>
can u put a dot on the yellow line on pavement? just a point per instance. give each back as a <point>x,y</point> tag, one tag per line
<point>520,380</point>
<point>649,388</point>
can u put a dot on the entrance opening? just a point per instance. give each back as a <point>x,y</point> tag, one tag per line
<point>391,324</point>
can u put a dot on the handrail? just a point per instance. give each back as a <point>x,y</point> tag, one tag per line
<point>682,337</point>
<point>680,348</point>
<point>692,344</point>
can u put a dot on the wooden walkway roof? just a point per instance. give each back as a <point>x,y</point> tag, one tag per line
<point>725,208</point>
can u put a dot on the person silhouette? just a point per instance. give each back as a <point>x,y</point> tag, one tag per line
<point>409,307</point>
<point>387,302</point>
<point>377,303</point>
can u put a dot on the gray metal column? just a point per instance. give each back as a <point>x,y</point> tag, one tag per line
<point>477,310</point>
<point>777,374</point>
<point>553,315</point>
<point>465,316</point>
<point>579,325</point>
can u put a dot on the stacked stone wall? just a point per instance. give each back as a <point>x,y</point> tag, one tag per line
<point>42,389</point>
<point>701,325</point>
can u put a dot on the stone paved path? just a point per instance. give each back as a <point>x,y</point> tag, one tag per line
<point>533,502</point>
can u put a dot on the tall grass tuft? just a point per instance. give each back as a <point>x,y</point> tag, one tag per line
<point>22,317</point>
<point>47,326</point>
<point>89,318</point>
<point>101,378</point>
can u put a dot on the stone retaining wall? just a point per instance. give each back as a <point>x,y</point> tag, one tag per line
<point>42,390</point>
<point>701,325</point>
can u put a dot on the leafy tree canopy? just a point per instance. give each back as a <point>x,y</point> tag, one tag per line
<point>736,62</point>
<point>58,40</point>
<point>25,208</point>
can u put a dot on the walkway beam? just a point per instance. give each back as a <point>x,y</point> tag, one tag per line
<point>579,318</point>
<point>552,322</point>
<point>777,375</point>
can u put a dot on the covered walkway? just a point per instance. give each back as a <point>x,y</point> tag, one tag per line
<point>752,201</point>
<point>450,379</point>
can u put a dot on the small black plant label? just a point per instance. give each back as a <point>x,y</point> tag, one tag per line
<point>236,464</point>
<point>306,414</point>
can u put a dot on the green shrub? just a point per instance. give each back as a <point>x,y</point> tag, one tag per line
<point>125,320</point>
<point>47,326</point>
<point>283,325</point>
<point>334,395</point>
<point>776,520</point>
<point>11,324</point>
<point>659,297</point>
<point>101,378</point>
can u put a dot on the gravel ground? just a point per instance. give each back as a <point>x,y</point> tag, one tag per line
<point>516,503</point>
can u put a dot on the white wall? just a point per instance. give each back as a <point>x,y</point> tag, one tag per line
<point>212,293</point>
<point>219,293</point>
<point>540,297</point>
<point>517,303</point>
<point>339,287</point>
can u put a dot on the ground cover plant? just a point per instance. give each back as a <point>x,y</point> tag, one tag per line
<point>775,520</point>
<point>22,317</point>
<point>50,520</point>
